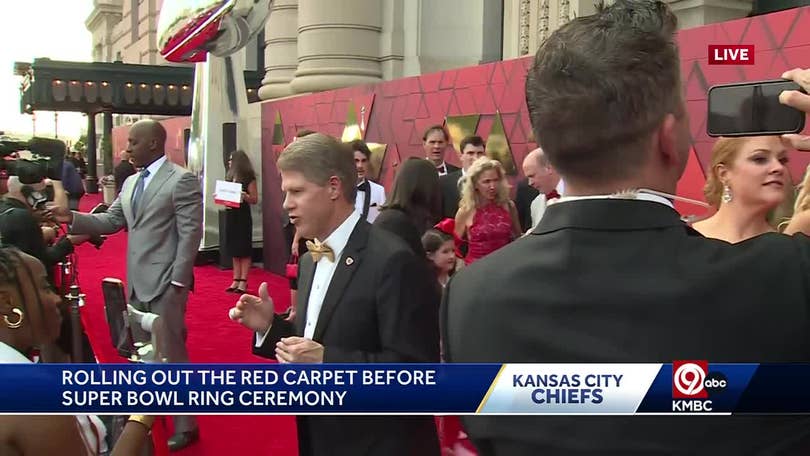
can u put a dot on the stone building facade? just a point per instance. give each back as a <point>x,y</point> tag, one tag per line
<point>315,45</point>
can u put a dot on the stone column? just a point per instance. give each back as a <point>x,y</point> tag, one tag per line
<point>107,141</point>
<point>338,46</point>
<point>281,49</point>
<point>90,152</point>
<point>693,13</point>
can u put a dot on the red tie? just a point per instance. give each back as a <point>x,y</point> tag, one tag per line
<point>552,195</point>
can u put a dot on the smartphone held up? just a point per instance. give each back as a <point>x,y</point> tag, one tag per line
<point>752,109</point>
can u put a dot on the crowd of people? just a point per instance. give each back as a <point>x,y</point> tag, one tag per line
<point>588,262</point>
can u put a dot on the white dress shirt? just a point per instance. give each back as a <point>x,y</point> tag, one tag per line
<point>153,168</point>
<point>641,196</point>
<point>539,204</point>
<point>324,270</point>
<point>377,200</point>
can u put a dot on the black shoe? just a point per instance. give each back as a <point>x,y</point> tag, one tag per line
<point>183,439</point>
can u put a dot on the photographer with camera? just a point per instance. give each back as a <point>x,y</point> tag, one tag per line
<point>22,226</point>
<point>21,216</point>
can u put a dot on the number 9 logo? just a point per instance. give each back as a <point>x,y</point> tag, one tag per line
<point>689,378</point>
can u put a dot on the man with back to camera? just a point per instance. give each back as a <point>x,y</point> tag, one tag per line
<point>472,148</point>
<point>162,208</point>
<point>606,278</point>
<point>358,302</point>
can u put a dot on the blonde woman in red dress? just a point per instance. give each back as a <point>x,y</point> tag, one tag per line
<point>486,217</point>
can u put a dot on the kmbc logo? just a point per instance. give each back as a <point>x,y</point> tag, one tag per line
<point>692,384</point>
<point>688,379</point>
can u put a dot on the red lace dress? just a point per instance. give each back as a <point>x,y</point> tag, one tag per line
<point>491,229</point>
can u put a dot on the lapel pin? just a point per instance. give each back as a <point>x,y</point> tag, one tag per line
<point>349,261</point>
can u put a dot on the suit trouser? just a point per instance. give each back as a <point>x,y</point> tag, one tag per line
<point>171,306</point>
<point>73,202</point>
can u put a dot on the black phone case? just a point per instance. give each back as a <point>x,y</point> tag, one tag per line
<point>749,83</point>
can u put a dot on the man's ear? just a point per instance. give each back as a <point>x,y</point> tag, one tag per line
<point>335,187</point>
<point>667,138</point>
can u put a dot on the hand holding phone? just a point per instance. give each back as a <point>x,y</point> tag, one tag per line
<point>799,101</point>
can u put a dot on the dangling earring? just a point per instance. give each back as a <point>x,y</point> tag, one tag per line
<point>726,197</point>
<point>17,323</point>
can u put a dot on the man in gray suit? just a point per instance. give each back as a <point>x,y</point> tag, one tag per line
<point>162,207</point>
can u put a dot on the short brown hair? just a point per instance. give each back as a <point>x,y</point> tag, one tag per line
<point>724,152</point>
<point>319,157</point>
<point>476,141</point>
<point>433,128</point>
<point>359,145</point>
<point>601,84</point>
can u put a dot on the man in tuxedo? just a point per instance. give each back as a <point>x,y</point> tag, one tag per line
<point>544,178</point>
<point>370,195</point>
<point>614,276</point>
<point>524,196</point>
<point>359,301</point>
<point>162,208</point>
<point>434,143</point>
<point>472,148</point>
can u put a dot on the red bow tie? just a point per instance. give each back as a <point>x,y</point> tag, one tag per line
<point>552,195</point>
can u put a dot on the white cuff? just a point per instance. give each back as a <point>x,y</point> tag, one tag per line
<point>260,338</point>
<point>148,320</point>
<point>178,284</point>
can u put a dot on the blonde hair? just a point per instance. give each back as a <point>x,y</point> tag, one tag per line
<point>724,152</point>
<point>469,200</point>
<point>802,200</point>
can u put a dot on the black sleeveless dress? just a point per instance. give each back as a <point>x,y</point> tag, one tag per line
<point>239,225</point>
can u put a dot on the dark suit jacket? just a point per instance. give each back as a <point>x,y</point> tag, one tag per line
<point>369,315</point>
<point>451,168</point>
<point>524,195</point>
<point>450,193</point>
<point>617,281</point>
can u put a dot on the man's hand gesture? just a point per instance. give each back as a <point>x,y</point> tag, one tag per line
<point>254,312</point>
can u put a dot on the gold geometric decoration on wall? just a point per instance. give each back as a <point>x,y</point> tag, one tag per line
<point>377,159</point>
<point>352,129</point>
<point>278,131</point>
<point>498,146</point>
<point>460,127</point>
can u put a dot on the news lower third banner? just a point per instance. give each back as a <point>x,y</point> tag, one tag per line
<point>682,387</point>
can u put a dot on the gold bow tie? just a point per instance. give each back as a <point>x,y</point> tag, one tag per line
<point>320,249</point>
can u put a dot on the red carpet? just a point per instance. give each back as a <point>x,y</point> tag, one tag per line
<point>212,338</point>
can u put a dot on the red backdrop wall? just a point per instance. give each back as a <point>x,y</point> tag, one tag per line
<point>397,112</point>
<point>400,110</point>
<point>174,140</point>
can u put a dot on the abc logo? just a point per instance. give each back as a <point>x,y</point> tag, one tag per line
<point>691,380</point>
<point>715,382</point>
